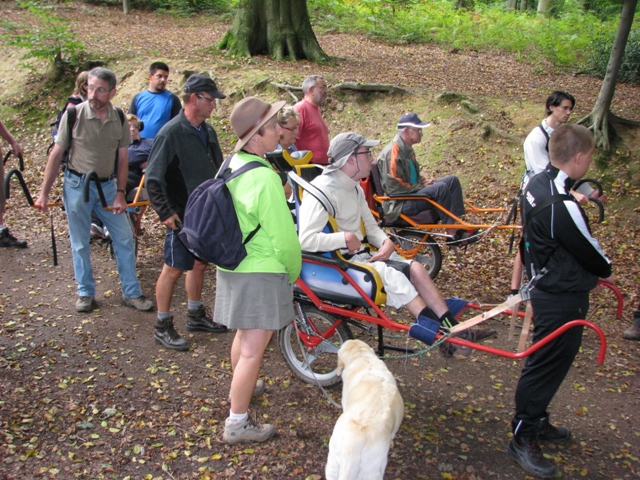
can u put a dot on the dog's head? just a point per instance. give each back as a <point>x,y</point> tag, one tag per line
<point>350,350</point>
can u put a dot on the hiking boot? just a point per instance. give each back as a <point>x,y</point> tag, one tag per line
<point>86,304</point>
<point>139,303</point>
<point>167,336</point>
<point>476,335</point>
<point>462,238</point>
<point>632,333</point>
<point>8,240</point>
<point>550,433</point>
<point>526,451</point>
<point>201,320</point>
<point>246,431</point>
<point>258,390</point>
<point>460,352</point>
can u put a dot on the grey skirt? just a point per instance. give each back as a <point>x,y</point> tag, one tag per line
<point>253,300</point>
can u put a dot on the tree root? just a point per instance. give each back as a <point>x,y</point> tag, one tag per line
<point>488,129</point>
<point>370,87</point>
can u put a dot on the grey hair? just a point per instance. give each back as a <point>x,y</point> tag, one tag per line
<point>309,82</point>
<point>286,114</point>
<point>104,74</point>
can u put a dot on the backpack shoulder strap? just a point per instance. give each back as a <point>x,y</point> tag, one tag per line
<point>72,116</point>
<point>226,177</point>
<point>559,197</point>
<point>546,135</point>
<point>120,114</point>
<point>553,260</point>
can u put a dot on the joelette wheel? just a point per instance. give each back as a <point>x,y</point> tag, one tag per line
<point>311,349</point>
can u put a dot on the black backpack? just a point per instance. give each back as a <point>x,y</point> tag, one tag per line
<point>55,125</point>
<point>211,230</point>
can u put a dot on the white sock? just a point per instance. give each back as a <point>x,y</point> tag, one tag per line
<point>237,417</point>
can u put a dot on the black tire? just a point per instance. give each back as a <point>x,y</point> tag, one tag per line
<point>323,359</point>
<point>429,253</point>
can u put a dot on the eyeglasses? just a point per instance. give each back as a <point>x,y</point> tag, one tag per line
<point>99,90</point>
<point>210,100</point>
<point>366,152</point>
<point>290,129</point>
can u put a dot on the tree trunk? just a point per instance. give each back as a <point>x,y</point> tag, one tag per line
<point>126,6</point>
<point>523,5</point>
<point>599,120</point>
<point>278,28</point>
<point>511,4</point>
<point>543,7</point>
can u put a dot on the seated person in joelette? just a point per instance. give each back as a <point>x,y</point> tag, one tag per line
<point>349,161</point>
<point>138,152</point>
<point>400,175</point>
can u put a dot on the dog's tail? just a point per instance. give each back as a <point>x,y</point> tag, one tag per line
<point>353,452</point>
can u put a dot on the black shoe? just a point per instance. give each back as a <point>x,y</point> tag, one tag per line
<point>550,433</point>
<point>8,240</point>
<point>462,238</point>
<point>526,451</point>
<point>167,336</point>
<point>200,320</point>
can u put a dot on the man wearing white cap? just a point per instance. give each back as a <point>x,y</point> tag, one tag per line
<point>350,160</point>
<point>400,175</point>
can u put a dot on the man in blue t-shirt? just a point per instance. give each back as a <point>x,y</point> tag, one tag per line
<point>155,106</point>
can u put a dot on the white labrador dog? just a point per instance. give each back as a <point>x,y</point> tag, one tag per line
<point>372,413</point>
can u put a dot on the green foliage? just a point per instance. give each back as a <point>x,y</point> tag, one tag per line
<point>52,41</point>
<point>598,58</point>
<point>563,38</point>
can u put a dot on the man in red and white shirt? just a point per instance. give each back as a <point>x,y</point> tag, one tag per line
<point>313,133</point>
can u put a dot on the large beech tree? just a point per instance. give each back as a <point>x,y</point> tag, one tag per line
<point>600,119</point>
<point>278,28</point>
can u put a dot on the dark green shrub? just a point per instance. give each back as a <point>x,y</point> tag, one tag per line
<point>598,58</point>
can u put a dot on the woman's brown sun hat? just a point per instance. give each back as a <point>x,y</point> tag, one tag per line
<point>248,115</point>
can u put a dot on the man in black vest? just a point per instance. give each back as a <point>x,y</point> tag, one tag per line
<point>185,153</point>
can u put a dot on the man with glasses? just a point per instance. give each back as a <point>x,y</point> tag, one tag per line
<point>400,175</point>
<point>98,137</point>
<point>313,133</point>
<point>156,105</point>
<point>185,153</point>
<point>406,283</point>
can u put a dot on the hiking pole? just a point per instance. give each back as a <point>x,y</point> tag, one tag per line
<point>14,172</point>
<point>54,247</point>
<point>20,160</point>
